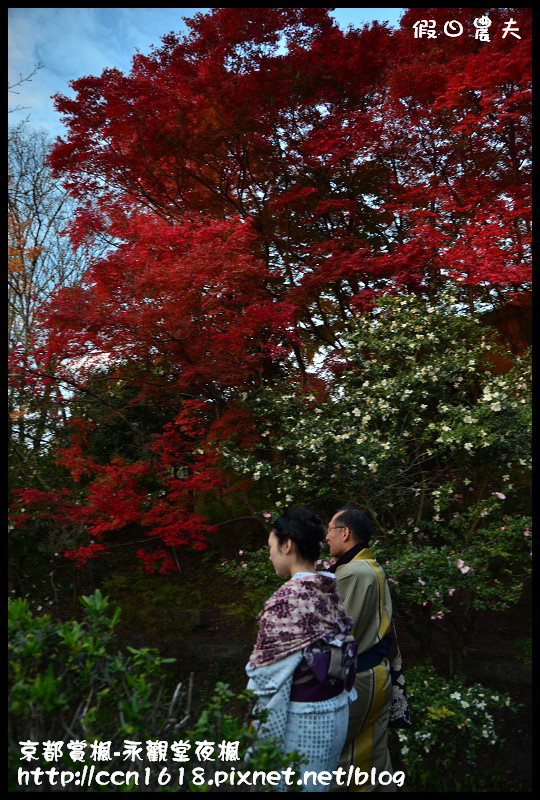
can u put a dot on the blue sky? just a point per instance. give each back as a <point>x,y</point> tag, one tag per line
<point>74,42</point>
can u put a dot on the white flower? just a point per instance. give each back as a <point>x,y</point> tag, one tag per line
<point>495,406</point>
<point>468,446</point>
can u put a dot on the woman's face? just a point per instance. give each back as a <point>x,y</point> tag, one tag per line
<point>280,555</point>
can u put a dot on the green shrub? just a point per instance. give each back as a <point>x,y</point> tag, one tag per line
<point>452,724</point>
<point>70,683</point>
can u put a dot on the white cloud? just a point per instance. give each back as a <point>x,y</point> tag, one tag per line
<point>75,42</point>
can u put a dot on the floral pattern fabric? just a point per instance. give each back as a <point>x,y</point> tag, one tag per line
<point>304,610</point>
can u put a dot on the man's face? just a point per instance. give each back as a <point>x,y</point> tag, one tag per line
<point>335,537</point>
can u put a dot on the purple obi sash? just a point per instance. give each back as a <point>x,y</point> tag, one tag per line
<point>325,671</point>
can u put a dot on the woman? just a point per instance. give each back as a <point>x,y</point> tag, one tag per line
<point>302,666</point>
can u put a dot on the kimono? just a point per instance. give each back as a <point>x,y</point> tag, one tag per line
<point>364,589</point>
<point>302,616</point>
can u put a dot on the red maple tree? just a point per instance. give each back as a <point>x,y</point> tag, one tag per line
<point>262,179</point>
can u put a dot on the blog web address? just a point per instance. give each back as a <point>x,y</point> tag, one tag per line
<point>198,776</point>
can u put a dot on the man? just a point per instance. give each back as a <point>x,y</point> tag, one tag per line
<point>364,590</point>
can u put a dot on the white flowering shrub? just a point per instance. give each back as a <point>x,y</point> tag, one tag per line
<point>451,722</point>
<point>417,427</point>
<point>413,416</point>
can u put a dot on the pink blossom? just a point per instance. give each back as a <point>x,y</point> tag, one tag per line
<point>244,566</point>
<point>451,591</point>
<point>240,552</point>
<point>526,532</point>
<point>421,581</point>
<point>465,569</point>
<point>460,563</point>
<point>266,514</point>
<point>500,495</point>
<point>392,580</point>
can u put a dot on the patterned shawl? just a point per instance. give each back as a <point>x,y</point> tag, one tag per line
<point>299,613</point>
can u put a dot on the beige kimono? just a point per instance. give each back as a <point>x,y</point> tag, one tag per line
<point>364,590</point>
